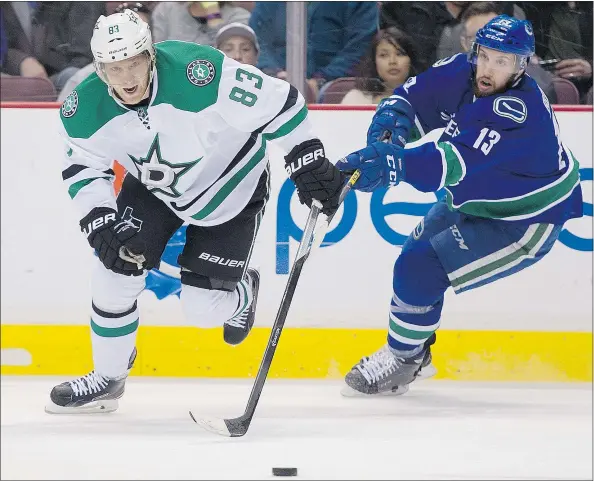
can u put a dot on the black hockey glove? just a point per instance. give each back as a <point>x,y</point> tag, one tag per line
<point>113,241</point>
<point>314,175</point>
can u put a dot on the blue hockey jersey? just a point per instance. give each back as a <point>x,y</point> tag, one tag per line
<point>499,156</point>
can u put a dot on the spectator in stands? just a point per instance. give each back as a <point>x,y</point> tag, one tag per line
<point>424,22</point>
<point>449,42</point>
<point>61,33</point>
<point>563,31</point>
<point>239,42</point>
<point>392,60</point>
<point>114,7</point>
<point>475,17</point>
<point>339,35</point>
<point>18,57</point>
<point>448,39</point>
<point>196,22</point>
<point>434,26</point>
<point>141,9</point>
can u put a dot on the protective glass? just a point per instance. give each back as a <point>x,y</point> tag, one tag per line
<point>496,60</point>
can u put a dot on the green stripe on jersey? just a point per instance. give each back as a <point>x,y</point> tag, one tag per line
<point>234,181</point>
<point>454,163</point>
<point>526,206</point>
<point>75,188</point>
<point>289,126</point>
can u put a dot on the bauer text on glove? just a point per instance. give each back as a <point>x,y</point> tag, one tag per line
<point>314,175</point>
<point>107,233</point>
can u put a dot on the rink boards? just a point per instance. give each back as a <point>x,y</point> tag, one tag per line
<point>533,326</point>
<point>304,353</point>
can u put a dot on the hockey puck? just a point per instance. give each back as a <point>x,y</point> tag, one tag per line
<point>284,471</point>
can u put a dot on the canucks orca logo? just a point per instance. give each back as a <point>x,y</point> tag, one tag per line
<point>511,108</point>
<point>165,281</point>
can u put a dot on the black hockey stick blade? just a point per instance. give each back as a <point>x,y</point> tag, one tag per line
<point>233,428</point>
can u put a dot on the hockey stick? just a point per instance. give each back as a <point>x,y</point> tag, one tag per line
<point>322,229</point>
<point>236,427</point>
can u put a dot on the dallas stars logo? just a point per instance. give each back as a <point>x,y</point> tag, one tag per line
<point>200,72</point>
<point>158,174</point>
<point>70,104</point>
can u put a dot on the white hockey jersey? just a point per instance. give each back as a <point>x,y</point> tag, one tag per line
<point>199,146</point>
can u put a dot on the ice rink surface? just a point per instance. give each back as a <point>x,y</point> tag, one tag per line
<point>439,430</point>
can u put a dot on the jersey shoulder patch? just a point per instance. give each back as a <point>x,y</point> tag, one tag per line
<point>70,105</point>
<point>511,107</point>
<point>188,75</point>
<point>88,108</point>
<point>449,60</point>
<point>176,54</point>
<point>454,69</point>
<point>201,72</point>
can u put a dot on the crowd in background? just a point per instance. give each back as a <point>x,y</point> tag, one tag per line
<point>357,52</point>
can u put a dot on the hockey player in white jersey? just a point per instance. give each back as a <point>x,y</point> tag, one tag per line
<point>191,127</point>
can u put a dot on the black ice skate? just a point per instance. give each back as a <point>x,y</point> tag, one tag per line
<point>236,330</point>
<point>385,373</point>
<point>92,393</point>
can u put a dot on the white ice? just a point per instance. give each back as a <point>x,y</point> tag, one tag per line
<point>439,430</point>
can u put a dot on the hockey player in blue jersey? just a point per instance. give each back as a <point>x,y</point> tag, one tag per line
<point>510,185</point>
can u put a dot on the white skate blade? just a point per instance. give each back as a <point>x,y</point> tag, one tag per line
<point>214,425</point>
<point>348,391</point>
<point>427,372</point>
<point>95,407</point>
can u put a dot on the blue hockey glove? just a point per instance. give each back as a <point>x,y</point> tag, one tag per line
<point>394,116</point>
<point>380,164</point>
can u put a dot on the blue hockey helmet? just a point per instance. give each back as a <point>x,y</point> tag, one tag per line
<point>506,34</point>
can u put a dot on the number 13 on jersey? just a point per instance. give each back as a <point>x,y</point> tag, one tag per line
<point>487,144</point>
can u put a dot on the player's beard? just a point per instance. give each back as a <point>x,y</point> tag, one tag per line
<point>507,85</point>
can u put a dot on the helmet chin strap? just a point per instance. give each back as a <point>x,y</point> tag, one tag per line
<point>513,81</point>
<point>150,80</point>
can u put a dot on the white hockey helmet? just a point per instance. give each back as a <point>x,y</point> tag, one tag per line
<point>121,36</point>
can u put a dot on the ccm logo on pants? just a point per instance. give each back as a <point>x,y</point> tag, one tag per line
<point>205,256</point>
